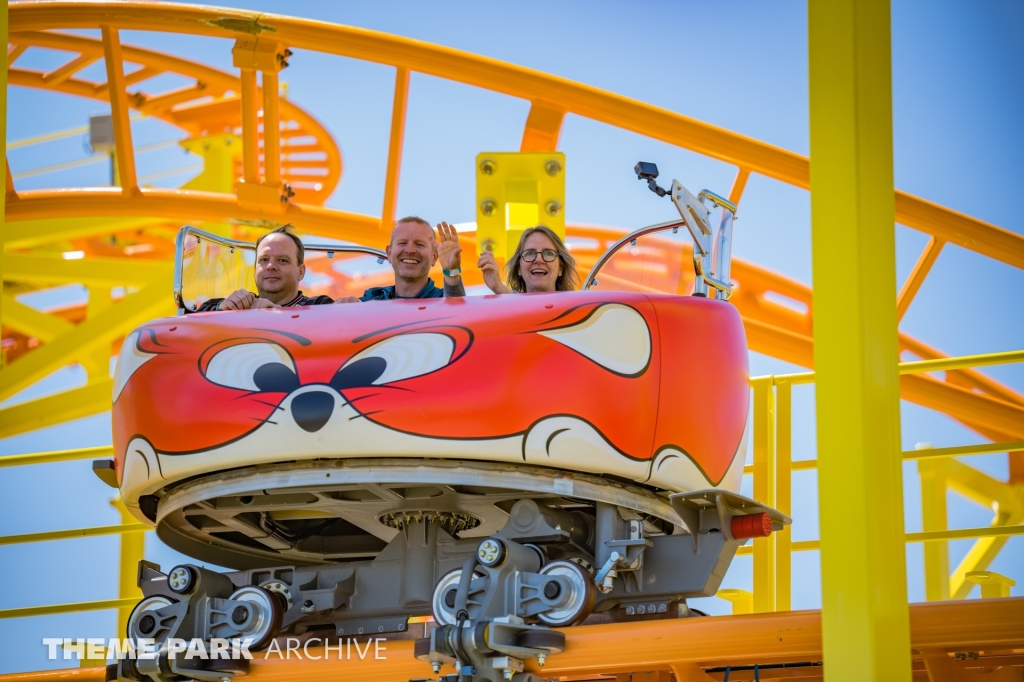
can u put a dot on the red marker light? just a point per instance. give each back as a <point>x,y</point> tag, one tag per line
<point>751,526</point>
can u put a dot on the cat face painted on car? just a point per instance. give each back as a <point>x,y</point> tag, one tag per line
<point>621,384</point>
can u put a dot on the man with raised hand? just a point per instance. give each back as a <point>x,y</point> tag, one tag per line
<point>279,268</point>
<point>412,251</point>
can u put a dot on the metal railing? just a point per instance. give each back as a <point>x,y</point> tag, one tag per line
<point>773,466</point>
<point>199,236</point>
<point>132,544</point>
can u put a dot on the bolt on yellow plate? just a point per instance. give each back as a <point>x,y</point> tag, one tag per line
<point>516,191</point>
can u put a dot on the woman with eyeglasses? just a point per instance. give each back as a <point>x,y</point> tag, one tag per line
<point>540,263</point>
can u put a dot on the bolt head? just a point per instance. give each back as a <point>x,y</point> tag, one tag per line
<point>488,207</point>
<point>552,167</point>
<point>147,624</point>
<point>488,167</point>
<point>553,207</point>
<point>180,579</point>
<point>239,614</point>
<point>490,552</point>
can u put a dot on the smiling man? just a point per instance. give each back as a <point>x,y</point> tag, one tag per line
<point>279,268</point>
<point>412,252</point>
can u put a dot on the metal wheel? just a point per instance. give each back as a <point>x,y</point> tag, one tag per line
<point>443,612</point>
<point>582,594</point>
<point>265,622</point>
<point>147,604</point>
<point>552,640</point>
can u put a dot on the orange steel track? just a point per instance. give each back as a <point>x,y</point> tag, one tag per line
<point>311,160</point>
<point>986,634</point>
<point>777,330</point>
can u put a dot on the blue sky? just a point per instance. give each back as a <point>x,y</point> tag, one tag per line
<point>957,98</point>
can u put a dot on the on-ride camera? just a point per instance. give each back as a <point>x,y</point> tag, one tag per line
<point>649,171</point>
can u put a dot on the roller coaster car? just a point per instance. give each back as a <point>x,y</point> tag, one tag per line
<point>518,461</point>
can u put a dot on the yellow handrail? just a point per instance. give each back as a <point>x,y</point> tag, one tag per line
<point>926,453</point>
<point>132,543</point>
<point>52,609</point>
<point>924,536</point>
<point>773,467</point>
<point>74,533</point>
<point>57,456</point>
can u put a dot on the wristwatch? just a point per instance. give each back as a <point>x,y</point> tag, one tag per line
<point>452,273</point>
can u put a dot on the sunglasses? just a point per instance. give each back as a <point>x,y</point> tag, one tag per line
<point>549,255</point>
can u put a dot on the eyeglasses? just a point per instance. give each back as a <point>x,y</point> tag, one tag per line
<point>530,255</point>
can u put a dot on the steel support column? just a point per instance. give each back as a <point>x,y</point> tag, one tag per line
<point>865,620</point>
<point>764,490</point>
<point>3,132</point>
<point>133,550</point>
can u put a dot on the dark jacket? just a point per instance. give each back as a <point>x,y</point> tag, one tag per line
<point>300,300</point>
<point>429,291</point>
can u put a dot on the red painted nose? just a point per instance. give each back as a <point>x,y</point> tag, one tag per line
<point>751,526</point>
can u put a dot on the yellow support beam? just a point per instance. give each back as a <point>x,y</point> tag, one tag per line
<point>997,530</point>
<point>3,134</point>
<point>962,362</point>
<point>219,154</point>
<point>993,585</point>
<point>97,361</point>
<point>865,620</point>
<point>741,600</point>
<point>1008,503</point>
<point>30,234</point>
<point>927,453</point>
<point>133,550</point>
<point>965,450</point>
<point>30,321</point>
<point>56,455</point>
<point>983,551</point>
<point>86,401</point>
<point>983,489</point>
<point>119,319</point>
<point>764,491</point>
<point>69,608</point>
<point>784,495</point>
<point>90,272</point>
<point>75,533</point>
<point>394,165</point>
<point>994,531</point>
<point>934,518</point>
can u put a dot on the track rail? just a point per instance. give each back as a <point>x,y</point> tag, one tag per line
<point>984,633</point>
<point>311,159</point>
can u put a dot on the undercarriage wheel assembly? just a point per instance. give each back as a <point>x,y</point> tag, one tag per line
<point>582,594</point>
<point>551,640</point>
<point>145,622</point>
<point>442,605</point>
<point>262,621</point>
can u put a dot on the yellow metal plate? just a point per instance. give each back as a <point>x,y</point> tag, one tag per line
<point>516,191</point>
